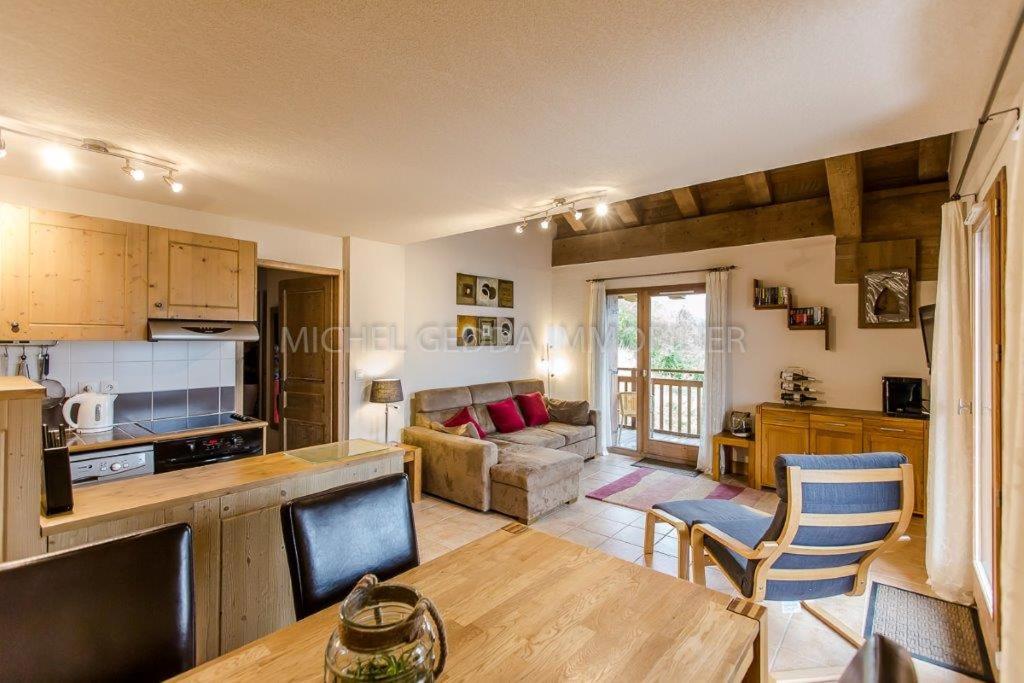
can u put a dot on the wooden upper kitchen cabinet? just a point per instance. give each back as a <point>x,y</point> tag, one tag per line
<point>824,430</point>
<point>70,277</point>
<point>201,277</point>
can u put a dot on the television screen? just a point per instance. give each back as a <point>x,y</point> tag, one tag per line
<point>927,316</point>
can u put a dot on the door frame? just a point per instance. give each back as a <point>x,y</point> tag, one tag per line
<point>995,207</point>
<point>645,445</point>
<point>339,430</point>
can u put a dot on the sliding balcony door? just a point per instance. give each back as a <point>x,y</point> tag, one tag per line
<point>660,374</point>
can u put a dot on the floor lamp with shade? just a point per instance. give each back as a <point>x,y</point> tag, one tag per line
<point>386,391</point>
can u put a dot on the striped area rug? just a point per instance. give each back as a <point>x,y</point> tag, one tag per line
<point>645,487</point>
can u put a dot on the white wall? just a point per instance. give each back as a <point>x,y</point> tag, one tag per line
<point>851,373</point>
<point>377,284</point>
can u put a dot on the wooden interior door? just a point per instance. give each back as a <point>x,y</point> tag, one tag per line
<point>308,310</point>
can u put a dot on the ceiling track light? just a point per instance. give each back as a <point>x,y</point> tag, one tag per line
<point>57,155</point>
<point>563,205</point>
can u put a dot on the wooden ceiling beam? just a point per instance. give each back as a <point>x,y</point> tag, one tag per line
<point>792,220</point>
<point>688,201</point>
<point>575,223</point>
<point>758,188</point>
<point>846,195</point>
<point>629,212</point>
<point>933,158</point>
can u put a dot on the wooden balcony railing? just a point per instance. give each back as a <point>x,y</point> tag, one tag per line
<point>675,399</point>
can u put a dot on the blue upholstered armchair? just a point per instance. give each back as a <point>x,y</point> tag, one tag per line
<point>836,514</point>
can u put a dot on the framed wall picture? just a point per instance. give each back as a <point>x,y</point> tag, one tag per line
<point>886,299</point>
<point>487,291</point>
<point>506,294</point>
<point>465,289</point>
<point>466,328</point>
<point>506,331</point>
<point>488,331</point>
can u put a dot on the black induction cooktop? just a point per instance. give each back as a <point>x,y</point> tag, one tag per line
<point>184,424</point>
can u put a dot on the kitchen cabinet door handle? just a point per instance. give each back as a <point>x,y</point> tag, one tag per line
<point>15,326</point>
<point>837,424</point>
<point>158,304</point>
<point>890,429</point>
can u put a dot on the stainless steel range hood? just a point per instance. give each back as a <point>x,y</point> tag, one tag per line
<point>188,330</point>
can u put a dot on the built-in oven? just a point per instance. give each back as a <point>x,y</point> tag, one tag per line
<point>194,451</point>
<point>92,467</point>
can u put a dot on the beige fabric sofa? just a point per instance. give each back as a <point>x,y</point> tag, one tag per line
<point>523,474</point>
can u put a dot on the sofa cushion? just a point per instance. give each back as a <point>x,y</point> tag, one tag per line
<point>467,429</point>
<point>465,416</point>
<point>490,392</point>
<point>526,386</point>
<point>572,433</point>
<point>569,412</point>
<point>506,416</point>
<point>531,405</point>
<point>441,399</point>
<point>529,467</point>
<point>531,436</point>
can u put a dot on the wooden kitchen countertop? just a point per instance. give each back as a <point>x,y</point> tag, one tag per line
<point>19,387</point>
<point>122,436</point>
<point>824,409</point>
<point>127,497</point>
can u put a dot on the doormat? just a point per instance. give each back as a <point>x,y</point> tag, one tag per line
<point>685,470</point>
<point>643,488</point>
<point>936,631</point>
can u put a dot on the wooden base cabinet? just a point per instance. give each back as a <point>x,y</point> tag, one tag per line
<point>820,430</point>
<point>242,584</point>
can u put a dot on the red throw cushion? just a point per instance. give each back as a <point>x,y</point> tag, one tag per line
<point>533,408</point>
<point>505,415</point>
<point>465,417</point>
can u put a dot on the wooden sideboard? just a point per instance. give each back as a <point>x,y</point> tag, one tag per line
<point>822,430</point>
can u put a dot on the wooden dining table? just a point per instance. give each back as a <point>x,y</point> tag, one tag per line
<point>519,604</point>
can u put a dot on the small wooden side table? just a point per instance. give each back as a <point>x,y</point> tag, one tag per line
<point>723,440</point>
<point>413,459</point>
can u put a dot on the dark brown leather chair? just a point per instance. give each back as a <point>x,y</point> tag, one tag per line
<point>880,660</point>
<point>122,609</point>
<point>335,537</point>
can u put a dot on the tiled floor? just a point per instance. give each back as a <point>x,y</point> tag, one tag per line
<point>796,640</point>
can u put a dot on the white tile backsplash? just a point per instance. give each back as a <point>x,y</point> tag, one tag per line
<point>203,350</point>
<point>134,366</point>
<point>92,352</point>
<point>204,373</point>
<point>134,376</point>
<point>170,374</point>
<point>170,350</point>
<point>133,351</point>
<point>89,373</point>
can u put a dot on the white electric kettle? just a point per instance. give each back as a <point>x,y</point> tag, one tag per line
<point>95,411</point>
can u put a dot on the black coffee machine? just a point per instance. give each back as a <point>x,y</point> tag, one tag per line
<point>902,397</point>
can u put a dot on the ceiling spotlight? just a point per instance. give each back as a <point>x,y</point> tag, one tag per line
<point>137,174</point>
<point>545,224</point>
<point>602,208</point>
<point>57,158</point>
<point>576,213</point>
<point>3,145</point>
<point>521,228</point>
<point>175,186</point>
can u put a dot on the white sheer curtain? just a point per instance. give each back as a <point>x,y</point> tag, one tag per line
<point>950,463</point>
<point>717,383</point>
<point>600,342</point>
<point>1012,565</point>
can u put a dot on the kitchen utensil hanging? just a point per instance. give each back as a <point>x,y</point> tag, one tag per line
<point>23,365</point>
<point>55,391</point>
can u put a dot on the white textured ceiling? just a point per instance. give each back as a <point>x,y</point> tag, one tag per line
<point>401,121</point>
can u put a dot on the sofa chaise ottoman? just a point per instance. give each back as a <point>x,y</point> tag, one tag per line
<point>523,473</point>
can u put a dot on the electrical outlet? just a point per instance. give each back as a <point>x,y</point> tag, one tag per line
<point>108,386</point>
<point>360,374</point>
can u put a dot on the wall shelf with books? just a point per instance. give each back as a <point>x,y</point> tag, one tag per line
<point>811,318</point>
<point>768,298</point>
